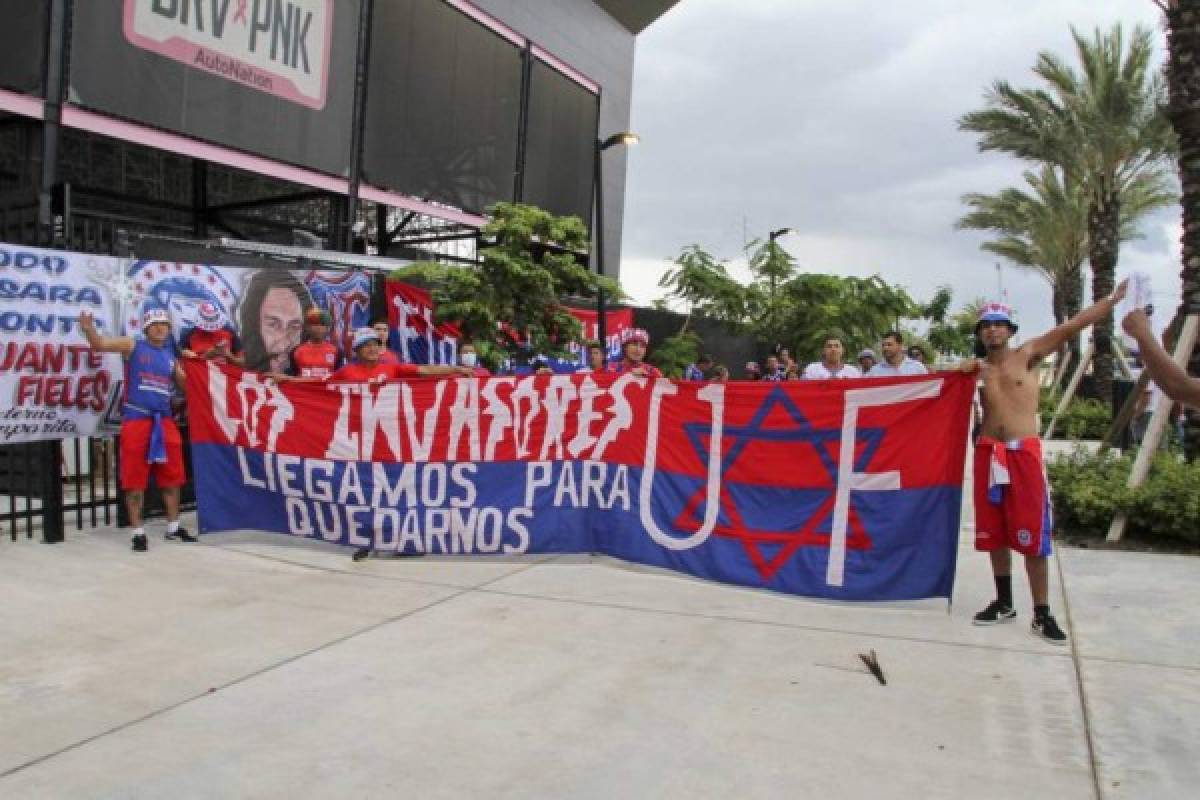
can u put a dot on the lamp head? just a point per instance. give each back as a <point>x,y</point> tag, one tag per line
<point>624,137</point>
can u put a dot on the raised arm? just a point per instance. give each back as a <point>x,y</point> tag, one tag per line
<point>1052,340</point>
<point>102,344</point>
<point>1169,376</point>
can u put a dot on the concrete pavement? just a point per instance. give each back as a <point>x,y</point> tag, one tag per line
<point>252,665</point>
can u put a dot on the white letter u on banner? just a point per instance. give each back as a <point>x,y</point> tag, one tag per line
<point>714,395</point>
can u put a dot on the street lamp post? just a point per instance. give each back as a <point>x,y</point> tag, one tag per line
<point>772,236</point>
<point>776,234</point>
<point>627,138</point>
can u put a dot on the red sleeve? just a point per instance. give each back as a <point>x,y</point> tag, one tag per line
<point>403,371</point>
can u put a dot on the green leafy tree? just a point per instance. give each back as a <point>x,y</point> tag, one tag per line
<point>675,353</point>
<point>1104,126</point>
<point>859,310</point>
<point>705,287</point>
<point>954,334</point>
<point>533,261</point>
<point>782,305</point>
<point>773,269</point>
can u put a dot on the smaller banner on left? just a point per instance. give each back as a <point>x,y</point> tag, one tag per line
<point>52,386</point>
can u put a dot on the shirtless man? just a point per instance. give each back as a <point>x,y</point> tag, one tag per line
<point>1012,499</point>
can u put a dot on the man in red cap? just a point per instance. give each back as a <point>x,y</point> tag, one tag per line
<point>316,358</point>
<point>211,337</point>
<point>368,367</point>
<point>368,364</point>
<point>149,439</point>
<point>1012,499</point>
<point>634,342</point>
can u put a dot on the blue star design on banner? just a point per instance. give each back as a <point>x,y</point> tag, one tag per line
<point>731,522</point>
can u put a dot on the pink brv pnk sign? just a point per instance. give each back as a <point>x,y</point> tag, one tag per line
<point>281,47</point>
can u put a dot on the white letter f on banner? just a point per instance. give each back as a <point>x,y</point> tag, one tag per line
<point>847,479</point>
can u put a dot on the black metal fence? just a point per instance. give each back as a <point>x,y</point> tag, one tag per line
<point>45,487</point>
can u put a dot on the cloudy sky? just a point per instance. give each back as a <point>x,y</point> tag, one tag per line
<point>838,119</point>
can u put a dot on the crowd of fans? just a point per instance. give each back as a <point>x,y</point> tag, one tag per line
<point>780,366</point>
<point>151,442</point>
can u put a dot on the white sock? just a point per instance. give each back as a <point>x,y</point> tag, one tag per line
<point>139,531</point>
<point>172,526</point>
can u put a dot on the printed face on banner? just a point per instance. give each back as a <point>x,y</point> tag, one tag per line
<point>265,307</point>
<point>281,47</point>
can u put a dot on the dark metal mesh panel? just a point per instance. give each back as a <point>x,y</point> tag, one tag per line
<point>22,45</point>
<point>561,139</point>
<point>442,105</point>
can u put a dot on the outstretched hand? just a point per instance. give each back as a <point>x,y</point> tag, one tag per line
<point>1137,323</point>
<point>1119,293</point>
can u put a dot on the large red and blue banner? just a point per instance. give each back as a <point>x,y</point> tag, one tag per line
<point>840,489</point>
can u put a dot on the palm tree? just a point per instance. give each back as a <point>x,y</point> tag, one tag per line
<point>1183,92</point>
<point>1104,126</point>
<point>1045,230</point>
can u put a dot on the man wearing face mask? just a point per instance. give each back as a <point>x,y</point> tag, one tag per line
<point>469,358</point>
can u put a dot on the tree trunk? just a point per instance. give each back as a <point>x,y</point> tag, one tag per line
<point>1104,215</point>
<point>1058,304</point>
<point>1072,298</point>
<point>1183,85</point>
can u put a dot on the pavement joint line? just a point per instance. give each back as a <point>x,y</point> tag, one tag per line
<point>482,589</point>
<point>373,575</point>
<point>248,676</point>
<point>768,623</point>
<point>1083,701</point>
<point>1127,662</point>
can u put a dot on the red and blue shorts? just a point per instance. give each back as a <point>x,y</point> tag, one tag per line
<point>135,445</point>
<point>1012,497</point>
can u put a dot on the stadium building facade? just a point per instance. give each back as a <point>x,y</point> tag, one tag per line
<point>385,125</point>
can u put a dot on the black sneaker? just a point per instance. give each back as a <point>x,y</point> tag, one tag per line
<point>182,535</point>
<point>140,545</point>
<point>995,614</point>
<point>1047,628</point>
<point>361,553</point>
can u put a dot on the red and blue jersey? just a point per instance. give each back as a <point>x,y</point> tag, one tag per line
<point>314,360</point>
<point>149,378</point>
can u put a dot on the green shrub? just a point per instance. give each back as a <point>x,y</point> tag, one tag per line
<point>1047,402</point>
<point>1089,490</point>
<point>674,353</point>
<point>1082,419</point>
<point>1168,504</point>
<point>1086,419</point>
